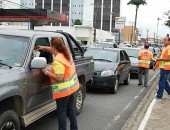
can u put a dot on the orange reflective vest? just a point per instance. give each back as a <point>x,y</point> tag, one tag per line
<point>145,58</point>
<point>69,84</point>
<point>165,55</point>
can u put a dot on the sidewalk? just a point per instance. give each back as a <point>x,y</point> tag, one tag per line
<point>157,116</point>
<point>151,114</point>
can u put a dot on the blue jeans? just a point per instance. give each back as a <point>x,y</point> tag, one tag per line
<point>65,106</point>
<point>163,84</point>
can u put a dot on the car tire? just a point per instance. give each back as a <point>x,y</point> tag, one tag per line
<point>79,99</point>
<point>9,120</point>
<point>114,88</point>
<point>127,80</point>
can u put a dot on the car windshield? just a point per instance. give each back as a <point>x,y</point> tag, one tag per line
<point>105,45</point>
<point>13,49</point>
<point>132,52</point>
<point>105,55</point>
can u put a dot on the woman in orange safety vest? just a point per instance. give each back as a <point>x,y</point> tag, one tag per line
<point>64,82</point>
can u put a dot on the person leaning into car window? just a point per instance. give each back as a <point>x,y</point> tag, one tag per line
<point>64,82</point>
<point>145,57</point>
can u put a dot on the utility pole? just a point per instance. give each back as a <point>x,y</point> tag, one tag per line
<point>147,35</point>
<point>157,30</point>
<point>94,26</point>
<point>111,15</point>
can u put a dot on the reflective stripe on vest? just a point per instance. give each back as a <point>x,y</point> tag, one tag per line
<point>64,85</point>
<point>144,62</point>
<point>165,55</point>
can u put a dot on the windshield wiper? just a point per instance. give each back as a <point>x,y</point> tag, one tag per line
<point>103,60</point>
<point>5,64</point>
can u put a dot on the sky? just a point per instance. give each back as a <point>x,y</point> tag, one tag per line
<point>147,16</point>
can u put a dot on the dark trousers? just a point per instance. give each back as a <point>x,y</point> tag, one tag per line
<point>65,106</point>
<point>145,72</point>
<point>163,83</point>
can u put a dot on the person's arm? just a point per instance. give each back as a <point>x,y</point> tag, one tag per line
<point>59,70</point>
<point>45,48</point>
<point>57,77</point>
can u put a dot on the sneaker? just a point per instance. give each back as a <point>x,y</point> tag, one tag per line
<point>145,86</point>
<point>140,84</point>
<point>158,99</point>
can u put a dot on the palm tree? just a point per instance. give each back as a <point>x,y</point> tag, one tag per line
<point>137,3</point>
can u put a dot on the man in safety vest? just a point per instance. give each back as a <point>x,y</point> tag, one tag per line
<point>145,56</point>
<point>164,69</point>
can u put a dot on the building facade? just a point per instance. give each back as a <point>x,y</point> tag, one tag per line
<point>111,9</point>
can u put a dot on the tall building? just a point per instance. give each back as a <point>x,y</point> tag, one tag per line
<point>54,5</point>
<point>107,14</point>
<point>74,9</point>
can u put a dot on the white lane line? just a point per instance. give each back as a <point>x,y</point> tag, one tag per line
<point>147,115</point>
<point>128,105</point>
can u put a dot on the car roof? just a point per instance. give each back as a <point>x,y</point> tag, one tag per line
<point>24,33</point>
<point>101,48</point>
<point>130,48</point>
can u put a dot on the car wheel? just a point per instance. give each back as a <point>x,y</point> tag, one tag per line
<point>127,81</point>
<point>79,99</point>
<point>114,88</point>
<point>9,120</point>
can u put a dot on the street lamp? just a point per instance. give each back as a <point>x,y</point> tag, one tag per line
<point>157,30</point>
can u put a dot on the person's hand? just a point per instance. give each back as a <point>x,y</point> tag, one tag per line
<point>44,70</point>
<point>154,68</point>
<point>38,48</point>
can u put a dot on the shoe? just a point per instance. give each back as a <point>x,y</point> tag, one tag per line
<point>145,86</point>
<point>140,84</point>
<point>158,99</point>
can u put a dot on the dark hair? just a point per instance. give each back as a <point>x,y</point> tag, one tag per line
<point>58,43</point>
<point>146,45</point>
<point>168,38</point>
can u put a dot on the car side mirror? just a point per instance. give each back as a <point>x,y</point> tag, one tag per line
<point>38,63</point>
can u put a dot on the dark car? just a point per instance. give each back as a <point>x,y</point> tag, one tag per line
<point>133,55</point>
<point>111,67</point>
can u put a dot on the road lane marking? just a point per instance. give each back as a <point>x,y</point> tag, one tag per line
<point>128,105</point>
<point>147,115</point>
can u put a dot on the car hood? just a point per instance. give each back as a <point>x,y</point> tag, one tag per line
<point>102,66</point>
<point>134,60</point>
<point>8,75</point>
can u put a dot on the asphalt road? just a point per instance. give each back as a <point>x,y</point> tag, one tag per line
<point>101,110</point>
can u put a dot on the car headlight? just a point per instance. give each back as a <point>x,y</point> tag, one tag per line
<point>107,73</point>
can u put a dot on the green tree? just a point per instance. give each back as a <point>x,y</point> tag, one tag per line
<point>167,22</point>
<point>137,3</point>
<point>77,22</point>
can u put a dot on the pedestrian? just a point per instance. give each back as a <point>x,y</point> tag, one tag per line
<point>164,69</point>
<point>145,56</point>
<point>64,82</point>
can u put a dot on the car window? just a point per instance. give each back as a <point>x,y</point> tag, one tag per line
<point>132,52</point>
<point>102,55</point>
<point>13,49</point>
<point>126,56</point>
<point>121,56</point>
<point>47,55</point>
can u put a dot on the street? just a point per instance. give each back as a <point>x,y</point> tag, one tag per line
<point>101,110</point>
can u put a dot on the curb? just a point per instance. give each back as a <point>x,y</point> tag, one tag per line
<point>137,116</point>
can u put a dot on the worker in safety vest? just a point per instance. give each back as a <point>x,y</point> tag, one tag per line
<point>164,69</point>
<point>64,82</point>
<point>145,56</point>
